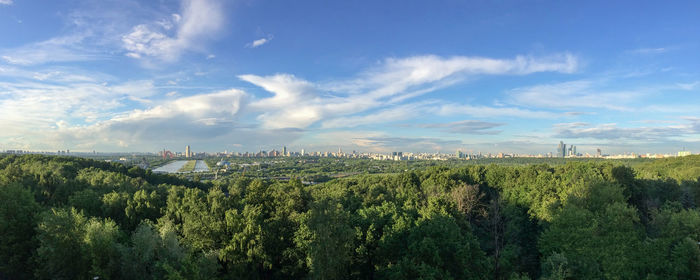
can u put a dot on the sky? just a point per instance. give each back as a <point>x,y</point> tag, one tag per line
<point>372,76</point>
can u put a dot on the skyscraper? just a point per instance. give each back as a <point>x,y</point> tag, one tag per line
<point>561,149</point>
<point>187,151</point>
<point>284,151</point>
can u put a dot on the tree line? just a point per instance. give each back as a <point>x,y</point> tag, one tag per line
<point>73,218</point>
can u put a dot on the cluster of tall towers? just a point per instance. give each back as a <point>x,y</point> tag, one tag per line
<point>562,151</point>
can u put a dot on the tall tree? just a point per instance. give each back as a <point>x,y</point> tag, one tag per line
<point>61,253</point>
<point>18,211</point>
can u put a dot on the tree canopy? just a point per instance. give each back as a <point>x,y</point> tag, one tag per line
<point>74,218</point>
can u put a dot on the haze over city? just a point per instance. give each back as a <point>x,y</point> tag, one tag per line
<point>375,76</point>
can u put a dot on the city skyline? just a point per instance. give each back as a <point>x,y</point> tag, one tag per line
<point>562,151</point>
<point>137,76</point>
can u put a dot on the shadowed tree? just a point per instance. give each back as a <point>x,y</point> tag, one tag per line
<point>17,221</point>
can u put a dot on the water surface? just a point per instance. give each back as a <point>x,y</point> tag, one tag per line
<point>172,167</point>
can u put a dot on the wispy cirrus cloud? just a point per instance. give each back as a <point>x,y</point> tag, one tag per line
<point>166,39</point>
<point>39,105</point>
<point>403,75</point>
<point>391,114</point>
<point>492,111</point>
<point>574,94</point>
<point>55,50</point>
<point>467,127</point>
<point>689,86</point>
<point>408,143</point>
<point>612,131</point>
<point>54,75</point>
<point>394,81</point>
<point>90,31</point>
<point>647,51</point>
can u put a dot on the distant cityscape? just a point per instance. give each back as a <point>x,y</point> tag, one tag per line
<point>562,151</point>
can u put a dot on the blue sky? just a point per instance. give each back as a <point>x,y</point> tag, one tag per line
<point>419,76</point>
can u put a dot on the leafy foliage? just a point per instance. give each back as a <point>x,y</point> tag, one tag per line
<point>73,218</point>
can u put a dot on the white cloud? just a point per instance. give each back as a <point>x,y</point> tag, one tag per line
<point>376,141</point>
<point>294,103</point>
<point>138,89</point>
<point>59,49</point>
<point>201,117</point>
<point>36,108</point>
<point>685,108</point>
<point>689,86</point>
<point>576,94</point>
<point>211,119</point>
<point>200,19</point>
<point>612,131</point>
<point>491,112</point>
<point>396,113</point>
<point>401,75</point>
<point>467,127</point>
<point>6,2</point>
<point>287,89</point>
<point>257,43</point>
<point>412,144</point>
<point>649,50</point>
<point>219,105</point>
<point>297,103</point>
<point>53,74</point>
<point>89,110</point>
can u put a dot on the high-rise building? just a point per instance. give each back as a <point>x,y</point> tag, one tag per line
<point>284,151</point>
<point>302,152</point>
<point>459,154</point>
<point>561,149</point>
<point>187,152</point>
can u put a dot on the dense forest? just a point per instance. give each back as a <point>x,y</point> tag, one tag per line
<point>73,218</point>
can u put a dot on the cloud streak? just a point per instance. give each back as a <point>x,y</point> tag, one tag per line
<point>298,103</point>
<point>467,127</point>
<point>612,131</point>
<point>647,51</point>
<point>55,50</point>
<point>200,20</point>
<point>574,94</point>
<point>407,143</point>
